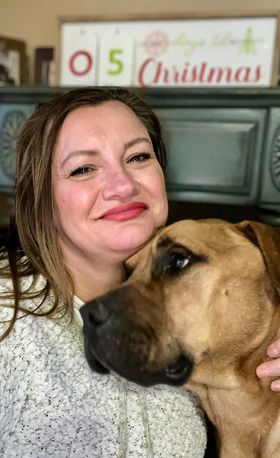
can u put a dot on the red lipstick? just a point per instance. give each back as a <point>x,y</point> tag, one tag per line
<point>125,212</point>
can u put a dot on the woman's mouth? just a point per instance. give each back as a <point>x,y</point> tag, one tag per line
<point>124,212</point>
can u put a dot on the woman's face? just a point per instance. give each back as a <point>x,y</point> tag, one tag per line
<point>108,187</point>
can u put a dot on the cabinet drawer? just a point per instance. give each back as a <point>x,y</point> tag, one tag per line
<point>214,154</point>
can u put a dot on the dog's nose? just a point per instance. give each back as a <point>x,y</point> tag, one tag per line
<point>96,315</point>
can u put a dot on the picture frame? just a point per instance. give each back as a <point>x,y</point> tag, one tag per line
<point>43,71</point>
<point>15,51</point>
<point>239,50</point>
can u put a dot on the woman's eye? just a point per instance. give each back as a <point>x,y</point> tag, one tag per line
<point>79,171</point>
<point>140,157</point>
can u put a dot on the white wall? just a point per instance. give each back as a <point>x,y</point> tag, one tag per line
<point>37,21</point>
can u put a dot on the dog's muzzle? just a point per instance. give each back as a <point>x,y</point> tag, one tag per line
<point>116,340</point>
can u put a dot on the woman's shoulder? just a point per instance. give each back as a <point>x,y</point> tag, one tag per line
<point>29,283</point>
<point>32,298</point>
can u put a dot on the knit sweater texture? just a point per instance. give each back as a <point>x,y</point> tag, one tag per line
<point>53,405</point>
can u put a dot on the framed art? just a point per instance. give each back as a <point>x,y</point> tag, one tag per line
<point>14,62</point>
<point>236,51</point>
<point>44,59</point>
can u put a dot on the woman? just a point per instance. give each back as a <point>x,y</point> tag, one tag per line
<point>89,193</point>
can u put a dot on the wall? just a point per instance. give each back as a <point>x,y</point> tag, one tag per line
<point>37,22</point>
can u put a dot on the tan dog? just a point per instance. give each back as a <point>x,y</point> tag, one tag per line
<point>200,307</point>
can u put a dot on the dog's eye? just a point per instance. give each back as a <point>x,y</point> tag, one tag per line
<point>172,259</point>
<point>177,261</point>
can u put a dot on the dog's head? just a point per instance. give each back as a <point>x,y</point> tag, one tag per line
<point>199,289</point>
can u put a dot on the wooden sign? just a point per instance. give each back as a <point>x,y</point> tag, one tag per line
<point>232,52</point>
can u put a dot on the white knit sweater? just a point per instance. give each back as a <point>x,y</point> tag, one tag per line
<point>53,405</point>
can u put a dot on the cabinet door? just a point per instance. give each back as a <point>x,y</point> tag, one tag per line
<point>214,154</point>
<point>270,183</point>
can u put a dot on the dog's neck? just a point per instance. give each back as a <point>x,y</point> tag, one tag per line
<point>235,399</point>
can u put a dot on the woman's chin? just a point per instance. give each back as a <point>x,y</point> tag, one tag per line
<point>132,240</point>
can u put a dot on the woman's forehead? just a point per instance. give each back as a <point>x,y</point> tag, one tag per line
<point>104,117</point>
<point>108,109</point>
<point>96,127</point>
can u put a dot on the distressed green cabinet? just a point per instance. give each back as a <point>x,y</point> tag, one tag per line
<point>270,179</point>
<point>214,154</point>
<point>223,145</point>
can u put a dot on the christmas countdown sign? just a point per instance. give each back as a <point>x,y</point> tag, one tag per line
<point>237,51</point>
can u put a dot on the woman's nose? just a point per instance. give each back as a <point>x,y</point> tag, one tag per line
<point>119,185</point>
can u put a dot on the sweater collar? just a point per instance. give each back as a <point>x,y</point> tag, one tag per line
<point>78,303</point>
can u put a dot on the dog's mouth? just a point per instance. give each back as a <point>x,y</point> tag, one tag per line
<point>180,370</point>
<point>97,366</point>
<point>118,341</point>
<point>175,373</point>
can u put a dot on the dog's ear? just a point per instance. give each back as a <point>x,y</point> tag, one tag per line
<point>267,239</point>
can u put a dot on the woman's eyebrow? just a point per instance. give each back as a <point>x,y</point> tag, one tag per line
<point>83,152</point>
<point>135,141</point>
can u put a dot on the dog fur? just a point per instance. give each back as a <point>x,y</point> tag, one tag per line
<point>199,309</point>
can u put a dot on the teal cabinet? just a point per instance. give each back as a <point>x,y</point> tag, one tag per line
<point>223,144</point>
<point>12,115</point>
<point>270,179</point>
<point>214,154</point>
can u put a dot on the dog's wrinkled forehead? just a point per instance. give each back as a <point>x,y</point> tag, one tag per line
<point>200,239</point>
<point>197,236</point>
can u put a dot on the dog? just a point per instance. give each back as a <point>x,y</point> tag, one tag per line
<point>199,308</point>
